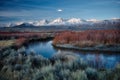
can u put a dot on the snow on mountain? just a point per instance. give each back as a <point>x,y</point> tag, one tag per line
<point>40,23</point>
<point>75,21</point>
<point>115,20</point>
<point>72,21</point>
<point>58,21</point>
<point>28,23</point>
<point>93,20</point>
<point>14,24</point>
<point>111,21</point>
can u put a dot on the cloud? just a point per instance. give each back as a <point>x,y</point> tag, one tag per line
<point>59,10</point>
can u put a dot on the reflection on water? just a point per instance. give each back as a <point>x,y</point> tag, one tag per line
<point>101,60</point>
<point>43,48</point>
<point>97,60</point>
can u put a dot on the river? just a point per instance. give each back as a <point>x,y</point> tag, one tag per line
<point>94,59</point>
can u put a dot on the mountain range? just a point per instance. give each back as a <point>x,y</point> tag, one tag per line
<point>64,24</point>
<point>67,22</point>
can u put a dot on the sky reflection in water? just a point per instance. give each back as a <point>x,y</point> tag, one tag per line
<point>97,60</point>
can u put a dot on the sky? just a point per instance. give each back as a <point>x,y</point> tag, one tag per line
<point>31,10</point>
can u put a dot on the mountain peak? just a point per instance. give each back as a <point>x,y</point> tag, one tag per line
<point>57,21</point>
<point>61,21</point>
<point>40,23</point>
<point>76,21</point>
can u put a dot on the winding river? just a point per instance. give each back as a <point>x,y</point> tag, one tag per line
<point>94,59</point>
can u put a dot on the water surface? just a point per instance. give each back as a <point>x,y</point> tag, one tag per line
<point>43,48</point>
<point>94,59</point>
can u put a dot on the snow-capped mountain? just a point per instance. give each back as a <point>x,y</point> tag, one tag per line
<point>14,24</point>
<point>40,23</point>
<point>72,21</point>
<point>93,20</point>
<point>75,21</point>
<point>58,21</point>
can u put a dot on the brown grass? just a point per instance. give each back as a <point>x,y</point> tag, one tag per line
<point>6,43</point>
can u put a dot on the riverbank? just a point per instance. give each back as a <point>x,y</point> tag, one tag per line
<point>17,43</point>
<point>100,48</point>
<point>90,40</point>
<point>17,39</point>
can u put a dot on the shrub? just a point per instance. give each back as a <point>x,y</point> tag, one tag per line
<point>91,74</point>
<point>18,67</point>
<point>46,73</point>
<point>39,61</point>
<point>5,53</point>
<point>67,66</point>
<point>65,57</point>
<point>79,75</point>
<point>64,74</point>
<point>20,41</point>
<point>88,38</point>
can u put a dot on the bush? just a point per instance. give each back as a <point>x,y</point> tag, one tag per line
<point>88,38</point>
<point>46,73</point>
<point>67,66</point>
<point>79,75</point>
<point>39,61</point>
<point>64,74</point>
<point>91,74</point>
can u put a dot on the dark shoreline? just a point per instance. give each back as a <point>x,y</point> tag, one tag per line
<point>88,49</point>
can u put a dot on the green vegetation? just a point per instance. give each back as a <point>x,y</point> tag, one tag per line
<point>17,65</point>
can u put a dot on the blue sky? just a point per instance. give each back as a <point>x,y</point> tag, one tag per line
<point>25,10</point>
